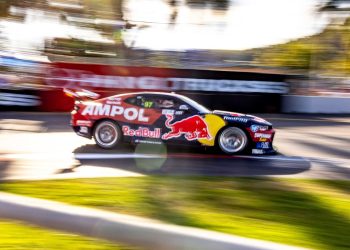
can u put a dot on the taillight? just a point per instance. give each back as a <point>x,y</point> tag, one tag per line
<point>76,106</point>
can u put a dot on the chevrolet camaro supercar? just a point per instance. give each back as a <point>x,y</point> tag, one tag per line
<point>155,118</point>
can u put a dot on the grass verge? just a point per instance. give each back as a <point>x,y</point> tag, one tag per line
<point>19,236</point>
<point>308,213</point>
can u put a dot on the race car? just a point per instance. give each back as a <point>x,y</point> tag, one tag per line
<point>157,117</point>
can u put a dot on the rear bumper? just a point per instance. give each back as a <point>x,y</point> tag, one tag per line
<point>81,125</point>
<point>83,131</point>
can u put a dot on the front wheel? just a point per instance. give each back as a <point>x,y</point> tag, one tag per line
<point>107,134</point>
<point>232,140</point>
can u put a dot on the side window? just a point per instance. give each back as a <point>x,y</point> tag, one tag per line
<point>131,100</point>
<point>145,102</point>
<point>157,102</point>
<point>165,103</point>
<point>171,103</point>
<point>141,101</point>
<point>183,106</point>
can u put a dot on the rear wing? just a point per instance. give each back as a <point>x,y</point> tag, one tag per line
<point>82,95</point>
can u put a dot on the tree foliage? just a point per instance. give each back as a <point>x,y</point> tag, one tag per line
<point>328,51</point>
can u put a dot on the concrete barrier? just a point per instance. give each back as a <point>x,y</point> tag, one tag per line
<point>315,104</point>
<point>145,233</point>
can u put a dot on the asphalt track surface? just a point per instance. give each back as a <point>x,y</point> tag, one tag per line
<point>43,146</point>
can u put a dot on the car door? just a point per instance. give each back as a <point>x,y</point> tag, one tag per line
<point>146,132</point>
<point>170,110</point>
<point>181,122</point>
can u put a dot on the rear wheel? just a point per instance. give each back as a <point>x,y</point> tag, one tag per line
<point>232,140</point>
<point>107,134</point>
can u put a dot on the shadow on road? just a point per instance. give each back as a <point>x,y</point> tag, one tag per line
<point>4,166</point>
<point>186,161</point>
<point>326,149</point>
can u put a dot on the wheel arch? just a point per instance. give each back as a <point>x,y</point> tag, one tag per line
<point>96,122</point>
<point>237,125</point>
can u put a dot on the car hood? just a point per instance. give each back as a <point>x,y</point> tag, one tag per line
<point>240,115</point>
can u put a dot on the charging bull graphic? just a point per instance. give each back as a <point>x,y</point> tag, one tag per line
<point>193,127</point>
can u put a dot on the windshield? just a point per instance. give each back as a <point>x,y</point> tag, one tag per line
<point>194,104</point>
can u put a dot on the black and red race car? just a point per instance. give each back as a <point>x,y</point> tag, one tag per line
<point>155,118</point>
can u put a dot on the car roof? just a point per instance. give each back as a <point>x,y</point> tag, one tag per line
<point>172,94</point>
<point>152,93</point>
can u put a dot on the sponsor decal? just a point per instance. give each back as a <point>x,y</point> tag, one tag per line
<point>141,132</point>
<point>261,135</point>
<point>236,119</point>
<point>263,145</point>
<point>148,104</point>
<point>224,112</point>
<point>171,112</point>
<point>262,139</point>
<point>114,98</point>
<point>129,114</point>
<point>148,142</point>
<point>14,99</point>
<point>184,107</point>
<point>83,123</point>
<point>193,128</point>
<point>168,111</point>
<point>83,130</point>
<point>256,128</point>
<point>257,151</point>
<point>113,102</point>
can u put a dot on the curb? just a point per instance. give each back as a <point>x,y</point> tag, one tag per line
<point>131,230</point>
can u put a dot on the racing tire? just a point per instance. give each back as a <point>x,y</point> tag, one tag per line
<point>107,134</point>
<point>232,140</point>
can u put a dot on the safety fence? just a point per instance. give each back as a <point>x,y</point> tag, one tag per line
<point>38,86</point>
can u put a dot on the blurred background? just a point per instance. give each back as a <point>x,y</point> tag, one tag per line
<point>286,61</point>
<point>307,41</point>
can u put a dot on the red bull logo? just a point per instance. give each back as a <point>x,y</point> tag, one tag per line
<point>141,132</point>
<point>193,128</point>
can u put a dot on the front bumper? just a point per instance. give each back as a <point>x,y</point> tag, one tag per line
<point>262,142</point>
<point>270,151</point>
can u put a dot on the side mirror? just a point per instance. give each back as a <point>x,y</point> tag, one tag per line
<point>184,107</point>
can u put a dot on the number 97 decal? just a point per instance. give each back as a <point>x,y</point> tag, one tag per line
<point>148,104</point>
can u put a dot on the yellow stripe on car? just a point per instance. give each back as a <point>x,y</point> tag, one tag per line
<point>214,123</point>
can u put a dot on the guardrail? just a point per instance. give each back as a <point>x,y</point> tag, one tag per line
<point>316,104</point>
<point>144,233</point>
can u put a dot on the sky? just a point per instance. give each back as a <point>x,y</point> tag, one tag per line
<point>246,24</point>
